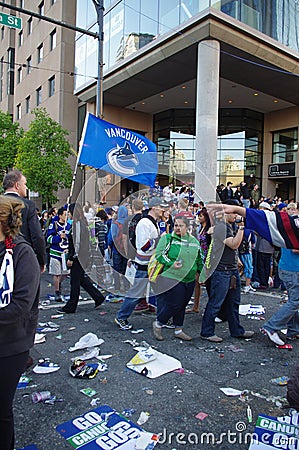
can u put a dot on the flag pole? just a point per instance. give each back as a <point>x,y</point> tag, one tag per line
<point>77,160</point>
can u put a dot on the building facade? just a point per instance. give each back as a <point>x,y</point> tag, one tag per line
<point>37,65</point>
<point>213,83</point>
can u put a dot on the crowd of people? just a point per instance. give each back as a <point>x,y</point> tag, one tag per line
<point>243,239</point>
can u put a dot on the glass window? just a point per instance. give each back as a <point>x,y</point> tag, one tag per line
<point>10,71</point>
<point>116,37</point>
<point>131,28</point>
<point>191,8</point>
<point>52,86</point>
<point>19,75</point>
<point>27,104</point>
<point>38,96</point>
<point>81,14</point>
<point>168,15</point>
<point>29,26</point>
<point>19,111</point>
<point>40,53</point>
<point>29,68</point>
<point>21,3</point>
<point>239,154</point>
<point>20,38</point>
<point>41,8</point>
<point>149,19</point>
<point>53,40</point>
<point>285,145</point>
<point>53,2</point>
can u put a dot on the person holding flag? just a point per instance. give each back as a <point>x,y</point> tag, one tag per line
<point>277,227</point>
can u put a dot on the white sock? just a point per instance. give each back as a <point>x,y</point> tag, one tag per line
<point>178,331</point>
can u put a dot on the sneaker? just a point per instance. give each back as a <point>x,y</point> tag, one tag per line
<point>213,338</point>
<point>123,324</point>
<point>183,336</point>
<point>246,335</point>
<point>248,289</point>
<point>272,336</point>
<point>168,324</point>
<point>142,306</point>
<point>157,331</point>
<point>218,320</point>
<point>251,289</point>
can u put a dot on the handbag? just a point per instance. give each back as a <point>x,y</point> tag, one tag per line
<point>155,268</point>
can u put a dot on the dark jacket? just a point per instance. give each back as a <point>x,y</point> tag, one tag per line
<point>227,194</point>
<point>18,320</point>
<point>31,229</point>
<point>79,250</point>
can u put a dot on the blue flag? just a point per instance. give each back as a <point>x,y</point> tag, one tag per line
<point>117,150</point>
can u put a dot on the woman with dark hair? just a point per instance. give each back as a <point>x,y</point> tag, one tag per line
<point>20,274</point>
<point>204,239</point>
<point>180,253</point>
<point>78,257</point>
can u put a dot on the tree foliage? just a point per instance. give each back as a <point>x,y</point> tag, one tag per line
<point>42,156</point>
<point>10,134</point>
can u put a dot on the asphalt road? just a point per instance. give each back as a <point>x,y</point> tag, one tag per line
<point>174,399</point>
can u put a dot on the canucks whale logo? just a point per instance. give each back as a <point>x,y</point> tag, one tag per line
<point>123,160</point>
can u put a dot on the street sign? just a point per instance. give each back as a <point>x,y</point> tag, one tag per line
<point>10,21</point>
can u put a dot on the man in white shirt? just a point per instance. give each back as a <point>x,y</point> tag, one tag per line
<point>147,235</point>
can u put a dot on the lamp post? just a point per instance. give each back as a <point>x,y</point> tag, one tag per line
<point>98,4</point>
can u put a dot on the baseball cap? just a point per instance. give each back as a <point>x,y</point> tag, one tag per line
<point>156,201</point>
<point>265,205</point>
<point>282,205</point>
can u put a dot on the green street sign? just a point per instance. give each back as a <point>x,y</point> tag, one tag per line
<point>10,21</point>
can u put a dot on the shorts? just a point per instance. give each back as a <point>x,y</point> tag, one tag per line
<point>55,267</point>
<point>246,259</point>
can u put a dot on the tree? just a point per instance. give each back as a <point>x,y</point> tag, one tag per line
<point>10,134</point>
<point>42,156</point>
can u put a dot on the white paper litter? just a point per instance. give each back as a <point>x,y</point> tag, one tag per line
<point>231,391</point>
<point>88,340</point>
<point>152,364</point>
<point>39,338</point>
<point>244,310</point>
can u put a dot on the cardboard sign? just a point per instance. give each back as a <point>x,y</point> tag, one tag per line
<point>103,428</point>
<point>276,433</point>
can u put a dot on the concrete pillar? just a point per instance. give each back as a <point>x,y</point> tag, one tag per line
<point>207,104</point>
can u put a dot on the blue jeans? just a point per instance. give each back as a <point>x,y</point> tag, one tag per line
<point>134,295</point>
<point>222,297</point>
<point>287,315</point>
<point>246,259</point>
<point>119,264</point>
<point>173,302</point>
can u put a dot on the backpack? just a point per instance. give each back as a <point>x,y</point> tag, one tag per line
<point>118,243</point>
<point>132,229</point>
<point>244,246</point>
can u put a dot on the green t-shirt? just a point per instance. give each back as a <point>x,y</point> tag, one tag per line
<point>186,249</point>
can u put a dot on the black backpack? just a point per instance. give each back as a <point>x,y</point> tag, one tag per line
<point>132,229</point>
<point>244,246</point>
